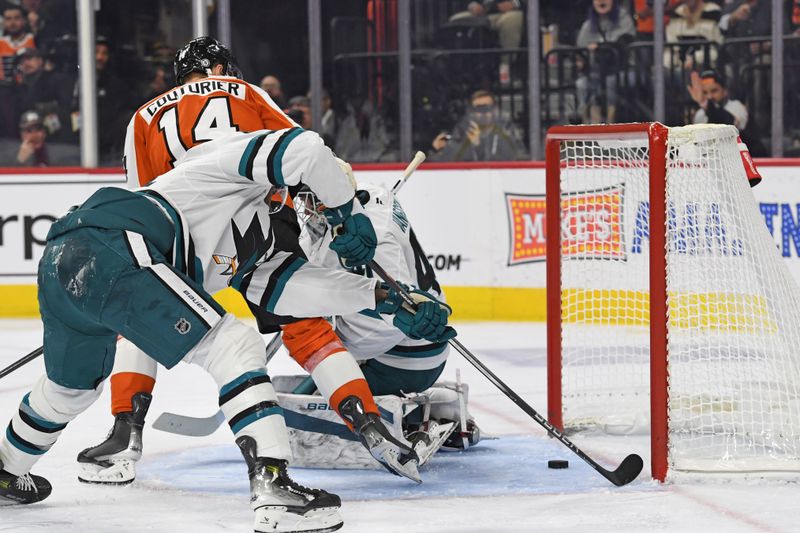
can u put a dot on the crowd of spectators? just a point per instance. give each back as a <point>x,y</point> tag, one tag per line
<point>466,108</point>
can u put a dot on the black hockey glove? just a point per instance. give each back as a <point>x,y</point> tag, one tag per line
<point>354,238</point>
<point>428,321</point>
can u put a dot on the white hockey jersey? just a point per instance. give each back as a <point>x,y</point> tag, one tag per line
<point>216,200</point>
<point>369,335</point>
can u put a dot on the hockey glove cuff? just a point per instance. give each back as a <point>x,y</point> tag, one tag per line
<point>428,321</point>
<point>354,239</point>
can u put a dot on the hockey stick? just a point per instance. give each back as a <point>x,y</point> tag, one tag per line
<point>419,157</point>
<point>21,362</point>
<point>191,426</point>
<point>626,472</point>
<point>201,427</point>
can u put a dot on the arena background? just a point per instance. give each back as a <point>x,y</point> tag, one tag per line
<point>391,76</point>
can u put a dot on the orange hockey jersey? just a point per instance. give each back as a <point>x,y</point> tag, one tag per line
<point>162,130</point>
<point>8,53</point>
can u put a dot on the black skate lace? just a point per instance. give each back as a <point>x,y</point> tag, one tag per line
<point>295,486</point>
<point>25,483</point>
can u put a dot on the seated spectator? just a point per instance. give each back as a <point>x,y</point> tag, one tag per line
<point>272,86</point>
<point>746,18</point>
<point>710,93</point>
<point>503,16</point>
<point>35,151</point>
<point>116,101</point>
<point>693,19</point>
<point>160,79</point>
<point>15,36</point>
<point>43,91</point>
<point>362,135</point>
<point>49,19</point>
<point>299,110</point>
<point>481,135</point>
<point>607,25</point>
<point>328,122</point>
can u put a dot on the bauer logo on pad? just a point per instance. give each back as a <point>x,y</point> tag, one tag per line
<point>591,225</point>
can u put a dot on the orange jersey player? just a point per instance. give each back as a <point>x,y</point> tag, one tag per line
<point>197,110</point>
<point>209,103</point>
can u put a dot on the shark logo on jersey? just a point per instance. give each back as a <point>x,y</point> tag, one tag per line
<point>250,246</point>
<point>225,260</point>
<point>183,326</point>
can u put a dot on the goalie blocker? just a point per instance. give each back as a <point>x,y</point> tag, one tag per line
<point>427,420</point>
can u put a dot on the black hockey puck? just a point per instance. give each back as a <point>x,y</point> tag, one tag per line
<point>557,463</point>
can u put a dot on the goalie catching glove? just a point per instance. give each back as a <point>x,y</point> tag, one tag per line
<point>428,320</point>
<point>354,237</point>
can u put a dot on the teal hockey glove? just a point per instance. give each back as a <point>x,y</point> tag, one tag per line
<point>354,238</point>
<point>428,321</point>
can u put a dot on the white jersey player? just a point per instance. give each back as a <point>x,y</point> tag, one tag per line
<point>392,362</point>
<point>140,265</point>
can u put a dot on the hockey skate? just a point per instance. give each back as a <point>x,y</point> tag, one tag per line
<point>396,456</point>
<point>113,461</point>
<point>280,504</point>
<point>22,489</point>
<point>428,438</point>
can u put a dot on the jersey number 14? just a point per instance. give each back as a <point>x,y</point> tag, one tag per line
<point>213,121</point>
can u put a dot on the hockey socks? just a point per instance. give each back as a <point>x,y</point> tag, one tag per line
<point>315,347</point>
<point>28,436</point>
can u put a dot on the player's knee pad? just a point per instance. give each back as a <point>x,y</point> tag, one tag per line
<point>235,359</point>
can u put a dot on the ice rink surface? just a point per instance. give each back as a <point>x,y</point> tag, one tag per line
<point>502,485</point>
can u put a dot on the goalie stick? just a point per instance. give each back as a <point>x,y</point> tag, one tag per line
<point>191,426</point>
<point>419,157</point>
<point>626,472</point>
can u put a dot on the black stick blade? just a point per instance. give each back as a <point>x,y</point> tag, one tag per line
<point>627,471</point>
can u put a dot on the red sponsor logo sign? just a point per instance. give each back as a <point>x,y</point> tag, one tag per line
<point>591,226</point>
<point>526,217</point>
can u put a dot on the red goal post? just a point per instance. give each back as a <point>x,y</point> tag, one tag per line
<point>725,400</point>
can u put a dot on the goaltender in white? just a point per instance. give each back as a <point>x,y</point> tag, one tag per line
<point>401,371</point>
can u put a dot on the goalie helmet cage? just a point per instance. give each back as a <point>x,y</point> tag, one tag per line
<point>664,284</point>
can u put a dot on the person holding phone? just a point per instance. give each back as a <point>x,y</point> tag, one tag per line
<point>481,135</point>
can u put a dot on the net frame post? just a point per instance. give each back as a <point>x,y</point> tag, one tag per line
<point>553,273</point>
<point>659,355</point>
<point>657,135</point>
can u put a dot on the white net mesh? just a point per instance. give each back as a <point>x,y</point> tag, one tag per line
<point>734,308</point>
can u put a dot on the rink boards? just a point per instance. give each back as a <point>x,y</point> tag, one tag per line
<point>483,229</point>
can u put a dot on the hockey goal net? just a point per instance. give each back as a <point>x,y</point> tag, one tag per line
<point>670,310</point>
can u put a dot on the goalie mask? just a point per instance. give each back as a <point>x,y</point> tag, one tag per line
<point>309,212</point>
<point>200,55</point>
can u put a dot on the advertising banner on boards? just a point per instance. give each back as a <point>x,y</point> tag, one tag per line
<point>481,228</point>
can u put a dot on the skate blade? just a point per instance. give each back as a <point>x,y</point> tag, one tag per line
<point>437,433</point>
<point>121,473</point>
<point>279,520</point>
<point>387,454</point>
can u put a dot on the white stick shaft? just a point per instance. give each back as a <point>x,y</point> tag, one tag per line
<point>419,157</point>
